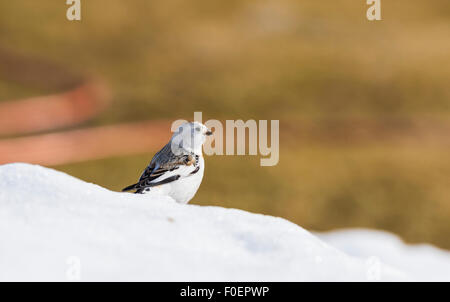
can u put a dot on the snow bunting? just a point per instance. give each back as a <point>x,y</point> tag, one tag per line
<point>177,169</point>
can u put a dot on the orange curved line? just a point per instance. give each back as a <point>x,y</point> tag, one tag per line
<point>55,111</point>
<point>87,99</point>
<point>86,144</point>
<point>73,107</point>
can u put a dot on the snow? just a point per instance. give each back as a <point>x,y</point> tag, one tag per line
<point>54,227</point>
<point>423,262</point>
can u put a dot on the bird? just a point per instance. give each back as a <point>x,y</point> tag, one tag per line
<point>177,169</point>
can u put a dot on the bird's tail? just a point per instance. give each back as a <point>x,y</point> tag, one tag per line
<point>129,188</point>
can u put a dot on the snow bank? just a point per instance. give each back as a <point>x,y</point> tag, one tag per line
<point>422,262</point>
<point>54,227</point>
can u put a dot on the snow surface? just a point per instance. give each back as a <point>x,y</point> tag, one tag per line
<point>423,262</point>
<point>54,227</point>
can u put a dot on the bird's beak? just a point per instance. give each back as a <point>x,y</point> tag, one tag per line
<point>208,133</point>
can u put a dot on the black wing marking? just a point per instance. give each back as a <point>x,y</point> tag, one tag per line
<point>153,184</point>
<point>195,171</point>
<point>146,182</point>
<point>163,161</point>
<point>150,174</point>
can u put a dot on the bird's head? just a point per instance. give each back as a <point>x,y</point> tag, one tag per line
<point>190,137</point>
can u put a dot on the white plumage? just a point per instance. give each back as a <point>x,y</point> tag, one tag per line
<point>183,189</point>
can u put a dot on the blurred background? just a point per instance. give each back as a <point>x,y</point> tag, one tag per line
<point>364,107</point>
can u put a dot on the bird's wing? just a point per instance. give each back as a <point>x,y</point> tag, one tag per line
<point>166,161</point>
<point>166,167</point>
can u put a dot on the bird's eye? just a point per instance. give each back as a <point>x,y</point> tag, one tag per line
<point>197,129</point>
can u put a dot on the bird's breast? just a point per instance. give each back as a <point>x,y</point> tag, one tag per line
<point>184,189</point>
